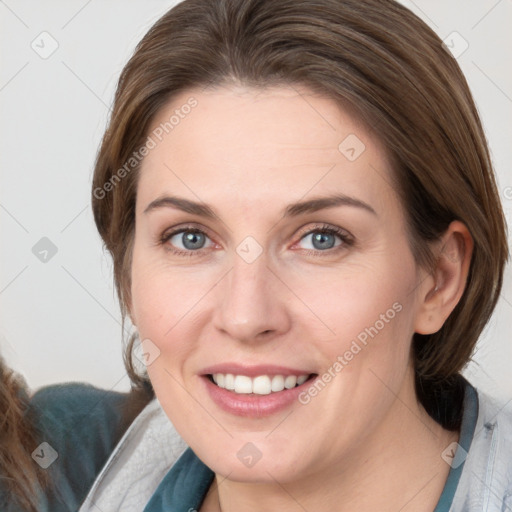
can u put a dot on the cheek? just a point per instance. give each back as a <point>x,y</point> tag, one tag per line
<point>161,296</point>
<point>359,302</point>
<point>163,307</point>
<point>370,315</point>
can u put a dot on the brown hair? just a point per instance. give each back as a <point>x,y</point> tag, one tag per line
<point>20,476</point>
<point>375,55</point>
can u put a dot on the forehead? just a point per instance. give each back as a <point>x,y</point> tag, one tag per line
<point>263,143</point>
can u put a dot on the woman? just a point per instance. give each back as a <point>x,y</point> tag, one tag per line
<point>306,232</point>
<point>305,229</point>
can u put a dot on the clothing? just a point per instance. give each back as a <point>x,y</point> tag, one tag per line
<point>478,482</point>
<point>486,480</point>
<point>82,424</point>
<point>143,457</point>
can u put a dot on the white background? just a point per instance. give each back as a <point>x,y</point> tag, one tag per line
<point>60,320</point>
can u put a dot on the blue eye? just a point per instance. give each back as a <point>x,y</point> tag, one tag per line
<point>187,240</point>
<point>320,240</point>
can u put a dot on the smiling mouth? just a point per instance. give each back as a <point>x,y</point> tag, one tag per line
<point>260,385</point>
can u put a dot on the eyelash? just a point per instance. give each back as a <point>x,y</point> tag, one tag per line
<point>346,240</point>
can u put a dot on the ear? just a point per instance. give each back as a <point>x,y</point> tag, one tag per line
<point>441,291</point>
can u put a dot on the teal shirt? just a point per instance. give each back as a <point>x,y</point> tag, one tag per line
<point>82,424</point>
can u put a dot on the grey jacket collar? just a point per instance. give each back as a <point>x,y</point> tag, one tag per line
<point>141,459</point>
<point>485,484</point>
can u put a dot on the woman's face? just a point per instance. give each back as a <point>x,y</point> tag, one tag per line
<point>271,246</point>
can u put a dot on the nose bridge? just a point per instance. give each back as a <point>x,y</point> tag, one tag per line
<point>250,302</point>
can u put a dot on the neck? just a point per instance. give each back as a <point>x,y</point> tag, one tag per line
<point>398,467</point>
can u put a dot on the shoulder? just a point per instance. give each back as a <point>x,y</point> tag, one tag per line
<point>494,428</point>
<point>64,404</point>
<point>78,426</point>
<point>79,413</point>
<point>486,480</point>
<point>499,409</point>
<point>80,419</point>
<point>70,393</point>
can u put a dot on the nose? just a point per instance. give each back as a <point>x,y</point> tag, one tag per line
<point>251,302</point>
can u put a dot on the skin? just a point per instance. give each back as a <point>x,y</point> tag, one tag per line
<point>364,442</point>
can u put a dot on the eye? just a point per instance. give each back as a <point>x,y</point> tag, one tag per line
<point>186,241</point>
<point>191,241</point>
<point>325,238</point>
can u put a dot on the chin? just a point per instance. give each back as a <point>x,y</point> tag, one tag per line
<point>242,460</point>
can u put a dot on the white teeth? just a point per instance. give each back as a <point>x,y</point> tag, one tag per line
<point>278,383</point>
<point>229,381</point>
<point>302,379</point>
<point>290,381</point>
<point>243,384</point>
<point>260,385</point>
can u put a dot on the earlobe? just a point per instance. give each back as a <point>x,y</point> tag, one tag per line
<point>444,288</point>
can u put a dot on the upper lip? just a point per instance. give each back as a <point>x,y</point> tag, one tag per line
<point>253,370</point>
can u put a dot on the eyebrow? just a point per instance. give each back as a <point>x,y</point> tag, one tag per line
<point>292,210</point>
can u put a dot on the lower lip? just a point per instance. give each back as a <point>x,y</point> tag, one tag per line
<point>252,405</point>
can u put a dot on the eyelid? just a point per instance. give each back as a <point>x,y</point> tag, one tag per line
<point>322,226</point>
<point>190,226</point>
